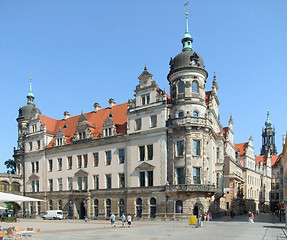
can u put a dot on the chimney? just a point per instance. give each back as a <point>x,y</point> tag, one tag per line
<point>66,115</point>
<point>112,103</point>
<point>97,107</point>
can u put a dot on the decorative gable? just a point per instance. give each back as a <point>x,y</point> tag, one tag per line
<point>145,167</point>
<point>109,128</point>
<point>33,177</point>
<point>60,138</point>
<point>83,130</point>
<point>81,173</point>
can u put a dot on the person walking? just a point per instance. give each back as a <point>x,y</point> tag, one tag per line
<point>113,219</point>
<point>252,216</point>
<point>249,217</point>
<point>129,220</point>
<point>123,217</point>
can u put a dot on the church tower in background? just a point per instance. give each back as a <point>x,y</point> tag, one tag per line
<point>268,138</point>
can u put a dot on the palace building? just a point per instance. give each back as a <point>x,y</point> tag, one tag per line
<point>154,155</point>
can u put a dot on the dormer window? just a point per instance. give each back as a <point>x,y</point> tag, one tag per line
<point>109,128</point>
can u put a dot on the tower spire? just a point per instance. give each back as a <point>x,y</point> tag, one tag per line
<point>30,95</point>
<point>268,122</point>
<point>187,39</point>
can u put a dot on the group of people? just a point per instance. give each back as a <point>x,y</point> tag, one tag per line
<point>123,218</point>
<point>207,216</point>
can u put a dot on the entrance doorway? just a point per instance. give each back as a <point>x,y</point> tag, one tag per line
<point>82,210</point>
<point>195,211</point>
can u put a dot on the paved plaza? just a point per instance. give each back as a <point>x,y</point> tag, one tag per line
<point>266,226</point>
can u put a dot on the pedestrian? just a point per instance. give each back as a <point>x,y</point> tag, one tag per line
<point>113,220</point>
<point>205,216</point>
<point>123,217</point>
<point>210,216</point>
<point>252,216</point>
<point>129,219</point>
<point>249,217</point>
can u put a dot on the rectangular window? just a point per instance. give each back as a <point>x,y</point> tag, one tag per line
<point>70,183</point>
<point>108,181</point>
<point>150,152</point>
<point>50,165</point>
<point>142,153</point>
<point>30,146</point>
<point>96,182</point>
<point>217,154</point>
<point>69,162</point>
<point>38,144</point>
<point>150,178</point>
<point>153,121</point>
<point>180,148</point>
<point>85,160</point>
<point>121,180</point>
<point>85,182</point>
<point>60,184</point>
<point>35,186</point>
<point>143,100</point>
<point>142,179</point>
<point>33,167</point>
<point>122,156</point>
<point>79,161</point>
<point>108,158</point>
<point>147,99</point>
<point>196,175</point>
<point>37,166</point>
<point>196,148</point>
<point>80,183</point>
<point>138,124</point>
<point>180,176</point>
<point>96,159</point>
<point>60,164</point>
<point>50,184</point>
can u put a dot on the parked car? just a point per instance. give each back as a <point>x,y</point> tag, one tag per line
<point>53,214</point>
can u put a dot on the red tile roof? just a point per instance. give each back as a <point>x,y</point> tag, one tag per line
<point>242,148</point>
<point>260,158</point>
<point>263,158</point>
<point>95,120</point>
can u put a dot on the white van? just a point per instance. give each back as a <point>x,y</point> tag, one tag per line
<point>53,214</point>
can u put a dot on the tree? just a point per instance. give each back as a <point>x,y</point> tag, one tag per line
<point>11,166</point>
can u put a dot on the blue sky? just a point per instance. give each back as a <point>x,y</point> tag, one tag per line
<point>82,52</point>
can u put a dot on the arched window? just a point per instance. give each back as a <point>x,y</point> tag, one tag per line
<point>121,207</point>
<point>139,207</point>
<point>51,204</point>
<point>179,206</point>
<point>60,204</point>
<point>108,207</point>
<point>181,114</point>
<point>194,87</point>
<point>15,187</point>
<point>4,186</point>
<point>152,208</point>
<point>96,207</point>
<point>181,87</point>
<point>195,114</point>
